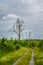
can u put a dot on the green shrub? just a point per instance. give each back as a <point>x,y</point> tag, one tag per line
<point>15,42</point>
<point>41,45</point>
<point>17,46</point>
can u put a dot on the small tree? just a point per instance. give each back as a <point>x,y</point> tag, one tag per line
<point>18,28</point>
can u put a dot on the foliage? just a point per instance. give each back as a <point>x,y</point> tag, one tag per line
<point>26,58</point>
<point>11,50</point>
<point>41,45</point>
<point>38,56</point>
<point>11,57</point>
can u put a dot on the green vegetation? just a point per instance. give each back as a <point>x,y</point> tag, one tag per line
<point>38,56</point>
<point>26,58</point>
<point>11,57</point>
<point>38,53</point>
<point>12,50</point>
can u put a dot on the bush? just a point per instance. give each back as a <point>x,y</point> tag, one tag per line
<point>23,42</point>
<point>15,41</point>
<point>41,45</point>
<point>7,45</point>
<point>31,44</point>
<point>2,45</point>
<point>17,46</point>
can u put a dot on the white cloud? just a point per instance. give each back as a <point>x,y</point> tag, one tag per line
<point>33,7</point>
<point>27,1</point>
<point>10,16</point>
<point>4,7</point>
<point>28,30</point>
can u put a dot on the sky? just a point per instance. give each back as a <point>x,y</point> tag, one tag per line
<point>30,11</point>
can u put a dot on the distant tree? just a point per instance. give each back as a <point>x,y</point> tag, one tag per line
<point>40,44</point>
<point>18,28</point>
<point>3,40</point>
<point>29,34</point>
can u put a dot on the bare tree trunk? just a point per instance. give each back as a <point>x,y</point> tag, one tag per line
<point>29,35</point>
<point>19,32</point>
<point>18,28</point>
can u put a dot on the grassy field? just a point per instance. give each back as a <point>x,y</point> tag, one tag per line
<point>11,57</point>
<point>26,59</point>
<point>38,56</point>
<point>12,50</point>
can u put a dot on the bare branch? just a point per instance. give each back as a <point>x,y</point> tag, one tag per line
<point>18,27</point>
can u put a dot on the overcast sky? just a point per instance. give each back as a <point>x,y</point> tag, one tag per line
<point>30,11</point>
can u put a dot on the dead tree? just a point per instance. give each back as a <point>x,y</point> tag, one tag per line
<point>18,28</point>
<point>29,34</point>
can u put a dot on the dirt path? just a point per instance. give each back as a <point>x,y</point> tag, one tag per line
<point>32,58</point>
<point>20,58</point>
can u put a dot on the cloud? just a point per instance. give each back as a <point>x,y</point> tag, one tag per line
<point>4,9</point>
<point>30,10</point>
<point>32,7</point>
<point>10,16</point>
<point>27,1</point>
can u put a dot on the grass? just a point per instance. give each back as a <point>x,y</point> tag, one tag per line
<point>3,52</point>
<point>12,50</point>
<point>11,57</point>
<point>38,56</point>
<point>26,59</point>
